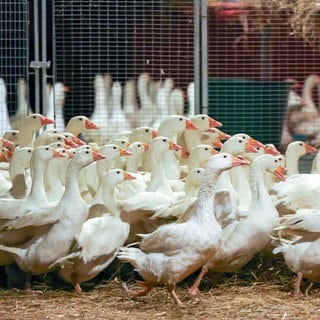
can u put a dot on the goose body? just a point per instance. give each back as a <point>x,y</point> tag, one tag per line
<point>99,239</point>
<point>299,244</point>
<point>242,240</point>
<point>66,220</point>
<point>174,251</point>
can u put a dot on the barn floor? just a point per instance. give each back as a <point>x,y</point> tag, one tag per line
<point>251,294</point>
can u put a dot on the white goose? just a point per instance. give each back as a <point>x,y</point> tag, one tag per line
<point>307,120</point>
<point>174,251</point>
<point>191,138</point>
<point>5,122</point>
<point>31,123</point>
<point>12,208</point>
<point>99,240</point>
<point>12,135</point>
<point>17,119</point>
<point>91,177</point>
<point>65,221</point>
<point>55,110</point>
<point>294,151</point>
<point>171,127</point>
<point>242,240</point>
<point>79,124</point>
<point>301,249</point>
<point>130,103</point>
<point>53,186</point>
<point>100,114</point>
<point>18,165</point>
<point>118,121</point>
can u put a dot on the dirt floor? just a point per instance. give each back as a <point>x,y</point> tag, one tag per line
<point>250,294</point>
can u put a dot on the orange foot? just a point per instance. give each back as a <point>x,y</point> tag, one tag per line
<point>147,287</point>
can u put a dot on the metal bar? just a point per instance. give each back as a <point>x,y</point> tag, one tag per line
<point>197,5</point>
<point>204,57</point>
<point>44,55</point>
<point>36,56</point>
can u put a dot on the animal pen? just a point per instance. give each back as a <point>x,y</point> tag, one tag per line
<point>252,65</point>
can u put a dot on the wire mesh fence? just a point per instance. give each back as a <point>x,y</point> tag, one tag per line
<point>14,54</point>
<point>144,45</point>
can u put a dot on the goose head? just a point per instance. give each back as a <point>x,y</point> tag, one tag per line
<point>161,144</point>
<point>84,156</point>
<point>4,143</point>
<point>194,177</point>
<point>79,124</point>
<point>224,161</point>
<point>272,164</point>
<point>12,135</point>
<point>143,134</point>
<point>115,176</point>
<point>299,148</point>
<point>239,144</point>
<point>138,148</point>
<point>255,143</point>
<point>175,124</point>
<point>36,120</point>
<point>204,122</point>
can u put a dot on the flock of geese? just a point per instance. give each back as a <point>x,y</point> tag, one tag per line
<point>163,199</point>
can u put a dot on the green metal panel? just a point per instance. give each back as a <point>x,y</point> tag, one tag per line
<point>253,107</point>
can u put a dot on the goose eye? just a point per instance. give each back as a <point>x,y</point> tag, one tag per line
<point>63,151</point>
<point>203,118</point>
<point>34,117</point>
<point>240,141</point>
<point>206,149</point>
<point>47,149</point>
<point>300,144</point>
<point>225,156</point>
<point>13,133</point>
<point>180,119</point>
<point>80,119</point>
<point>275,160</point>
<point>139,145</point>
<point>59,139</point>
<point>243,137</point>
<point>164,140</point>
<point>87,152</point>
<point>29,151</point>
<point>198,171</point>
<point>118,172</point>
<point>114,148</point>
<point>147,130</point>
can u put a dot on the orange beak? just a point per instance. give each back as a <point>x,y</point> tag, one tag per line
<point>280,173</point>
<point>124,152</point>
<point>223,136</point>
<point>271,150</point>
<point>78,141</point>
<point>91,125</point>
<point>190,125</point>
<point>173,146</point>
<point>70,143</point>
<point>217,144</point>
<point>214,123</point>
<point>214,151</point>
<point>154,133</point>
<point>97,155</point>
<point>57,154</point>
<point>310,149</point>
<point>184,153</point>
<point>250,147</point>
<point>45,120</point>
<point>66,88</point>
<point>7,143</point>
<point>128,176</point>
<point>239,161</point>
<point>146,146</point>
